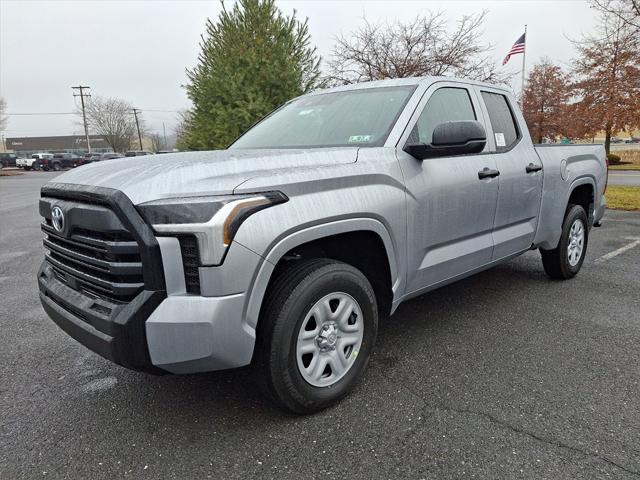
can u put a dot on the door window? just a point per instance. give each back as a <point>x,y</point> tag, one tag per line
<point>447,104</point>
<point>503,123</point>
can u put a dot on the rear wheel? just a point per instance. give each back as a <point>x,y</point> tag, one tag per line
<point>565,261</point>
<point>316,333</point>
<point>57,167</point>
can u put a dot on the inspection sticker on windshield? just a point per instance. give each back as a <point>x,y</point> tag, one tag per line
<point>500,140</point>
<point>360,138</point>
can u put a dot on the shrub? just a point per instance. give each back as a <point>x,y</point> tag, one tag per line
<point>613,159</point>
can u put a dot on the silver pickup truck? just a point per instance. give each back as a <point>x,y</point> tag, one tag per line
<point>285,250</point>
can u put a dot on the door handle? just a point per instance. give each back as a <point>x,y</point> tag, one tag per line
<point>532,167</point>
<point>486,172</point>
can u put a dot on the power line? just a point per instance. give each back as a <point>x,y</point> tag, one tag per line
<point>43,113</point>
<point>161,111</point>
<point>75,113</point>
<point>84,115</point>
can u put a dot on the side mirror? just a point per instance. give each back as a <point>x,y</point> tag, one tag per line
<point>451,138</point>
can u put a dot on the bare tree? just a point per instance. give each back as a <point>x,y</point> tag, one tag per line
<point>157,142</point>
<point>608,80</point>
<point>418,48</point>
<point>3,117</point>
<point>626,10</point>
<point>545,101</point>
<point>112,118</point>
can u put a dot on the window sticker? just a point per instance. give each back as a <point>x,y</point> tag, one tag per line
<point>500,140</point>
<point>360,138</point>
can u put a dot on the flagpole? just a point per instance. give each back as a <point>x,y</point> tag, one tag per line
<point>524,52</point>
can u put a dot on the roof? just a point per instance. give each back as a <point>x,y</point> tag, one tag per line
<point>395,82</point>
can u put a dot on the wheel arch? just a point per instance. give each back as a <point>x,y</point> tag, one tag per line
<point>583,192</point>
<point>318,233</point>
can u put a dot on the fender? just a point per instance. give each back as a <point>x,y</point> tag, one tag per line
<point>308,234</point>
<point>553,229</point>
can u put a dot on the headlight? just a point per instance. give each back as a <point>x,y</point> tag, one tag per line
<point>213,220</point>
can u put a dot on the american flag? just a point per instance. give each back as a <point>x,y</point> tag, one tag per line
<point>518,47</point>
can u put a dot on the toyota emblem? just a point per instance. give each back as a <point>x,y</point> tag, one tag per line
<point>57,218</point>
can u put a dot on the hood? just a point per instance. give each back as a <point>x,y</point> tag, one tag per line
<point>153,177</point>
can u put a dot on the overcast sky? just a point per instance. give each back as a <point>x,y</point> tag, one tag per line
<point>138,50</point>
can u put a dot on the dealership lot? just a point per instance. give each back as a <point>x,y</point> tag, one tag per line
<point>504,374</point>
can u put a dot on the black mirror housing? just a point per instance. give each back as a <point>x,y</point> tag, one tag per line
<point>451,138</point>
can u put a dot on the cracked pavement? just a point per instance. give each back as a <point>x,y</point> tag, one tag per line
<point>506,374</point>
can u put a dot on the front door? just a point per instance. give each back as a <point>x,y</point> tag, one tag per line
<point>450,209</point>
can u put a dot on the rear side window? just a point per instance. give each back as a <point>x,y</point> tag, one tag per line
<point>446,104</point>
<point>503,123</point>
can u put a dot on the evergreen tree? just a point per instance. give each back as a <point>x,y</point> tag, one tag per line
<point>252,60</point>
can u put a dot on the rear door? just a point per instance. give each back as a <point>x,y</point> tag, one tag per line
<point>450,210</point>
<point>520,180</point>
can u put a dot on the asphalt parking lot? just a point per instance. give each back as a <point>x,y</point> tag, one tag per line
<point>506,374</point>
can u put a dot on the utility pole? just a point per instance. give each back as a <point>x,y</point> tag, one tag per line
<point>82,95</point>
<point>135,114</point>
<point>164,131</point>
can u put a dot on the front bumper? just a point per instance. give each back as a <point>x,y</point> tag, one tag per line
<point>114,331</point>
<point>162,328</point>
<point>188,334</point>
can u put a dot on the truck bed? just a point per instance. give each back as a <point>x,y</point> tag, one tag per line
<point>565,167</point>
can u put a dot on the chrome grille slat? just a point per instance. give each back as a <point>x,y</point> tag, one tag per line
<point>113,268</point>
<point>115,247</point>
<point>106,264</point>
<point>115,288</point>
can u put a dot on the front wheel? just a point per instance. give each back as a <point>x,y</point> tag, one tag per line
<point>316,333</point>
<point>565,261</point>
<point>57,167</point>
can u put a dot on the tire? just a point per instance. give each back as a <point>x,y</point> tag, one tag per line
<point>293,300</point>
<point>26,169</point>
<point>558,263</point>
<point>56,167</point>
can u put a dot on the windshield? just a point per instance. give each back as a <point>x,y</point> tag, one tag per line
<point>362,117</point>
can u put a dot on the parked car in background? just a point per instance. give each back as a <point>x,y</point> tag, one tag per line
<point>632,140</point>
<point>137,153</point>
<point>110,156</point>
<point>92,157</point>
<point>286,248</point>
<point>616,140</point>
<point>33,163</point>
<point>60,161</point>
<point>8,160</point>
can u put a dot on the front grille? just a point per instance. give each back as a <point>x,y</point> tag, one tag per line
<point>99,264</point>
<point>190,263</point>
